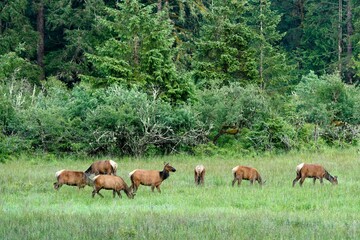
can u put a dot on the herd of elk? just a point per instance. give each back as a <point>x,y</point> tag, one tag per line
<point>105,177</point>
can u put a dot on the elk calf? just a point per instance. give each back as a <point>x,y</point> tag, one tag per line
<point>314,171</point>
<point>114,183</point>
<point>199,174</point>
<point>108,167</point>
<point>246,173</point>
<point>71,178</point>
<point>151,178</point>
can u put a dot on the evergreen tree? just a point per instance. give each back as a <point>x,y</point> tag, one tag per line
<point>318,50</point>
<point>18,42</point>
<point>137,52</point>
<point>222,53</point>
<point>273,66</point>
<point>354,67</point>
<point>70,32</point>
<point>16,29</point>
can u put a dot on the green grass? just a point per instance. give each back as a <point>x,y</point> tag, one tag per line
<point>31,209</point>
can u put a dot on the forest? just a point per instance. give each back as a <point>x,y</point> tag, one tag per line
<point>155,77</point>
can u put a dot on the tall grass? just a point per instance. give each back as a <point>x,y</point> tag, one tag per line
<point>31,209</point>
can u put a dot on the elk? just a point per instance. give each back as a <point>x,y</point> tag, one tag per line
<point>71,178</point>
<point>314,171</point>
<point>246,173</point>
<point>199,174</point>
<point>151,178</point>
<point>108,167</point>
<point>110,182</point>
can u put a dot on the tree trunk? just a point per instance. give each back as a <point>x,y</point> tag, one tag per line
<point>340,36</point>
<point>41,32</point>
<point>261,67</point>
<point>159,6</point>
<point>300,4</point>
<point>136,50</point>
<point>349,29</point>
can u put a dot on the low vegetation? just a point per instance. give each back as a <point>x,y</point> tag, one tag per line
<point>31,209</point>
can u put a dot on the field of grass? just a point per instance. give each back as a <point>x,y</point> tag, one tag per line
<point>31,209</point>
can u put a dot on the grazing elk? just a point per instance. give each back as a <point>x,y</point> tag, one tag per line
<point>246,173</point>
<point>71,178</point>
<point>108,167</point>
<point>110,182</point>
<point>314,171</point>
<point>151,178</point>
<point>199,174</point>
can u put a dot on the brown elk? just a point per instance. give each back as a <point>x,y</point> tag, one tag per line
<point>151,178</point>
<point>71,178</point>
<point>246,173</point>
<point>108,167</point>
<point>114,183</point>
<point>199,174</point>
<point>314,171</point>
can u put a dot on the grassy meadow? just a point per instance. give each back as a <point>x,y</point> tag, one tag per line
<point>31,209</point>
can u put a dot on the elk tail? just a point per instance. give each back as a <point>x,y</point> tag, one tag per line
<point>114,166</point>
<point>57,174</point>
<point>235,169</point>
<point>131,173</point>
<point>299,167</point>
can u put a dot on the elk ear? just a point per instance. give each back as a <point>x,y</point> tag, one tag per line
<point>165,163</point>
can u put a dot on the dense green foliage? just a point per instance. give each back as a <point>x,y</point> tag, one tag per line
<point>156,77</point>
<point>30,208</point>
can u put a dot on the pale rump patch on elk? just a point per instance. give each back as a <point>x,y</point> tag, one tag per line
<point>151,178</point>
<point>108,167</point>
<point>199,174</point>
<point>71,178</point>
<point>246,173</point>
<point>114,183</point>
<point>314,171</point>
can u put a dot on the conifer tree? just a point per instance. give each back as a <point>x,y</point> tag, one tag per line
<point>222,53</point>
<point>137,52</point>
<point>273,65</point>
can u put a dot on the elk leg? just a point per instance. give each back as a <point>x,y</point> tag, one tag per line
<point>100,194</point>
<point>97,191</point>
<point>57,185</point>
<point>119,194</point>
<point>296,179</point>
<point>321,181</point>
<point>114,193</point>
<point>314,180</point>
<point>158,188</point>
<point>134,187</point>
<point>302,181</point>
<point>152,188</point>
<point>93,193</point>
<point>233,182</point>
<point>239,181</point>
